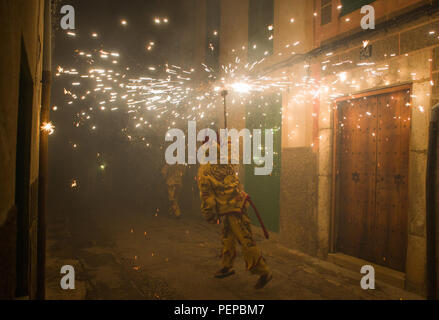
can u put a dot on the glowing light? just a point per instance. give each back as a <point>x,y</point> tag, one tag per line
<point>48,128</point>
<point>343,76</point>
<point>241,87</point>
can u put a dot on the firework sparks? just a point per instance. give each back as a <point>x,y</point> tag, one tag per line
<point>48,128</point>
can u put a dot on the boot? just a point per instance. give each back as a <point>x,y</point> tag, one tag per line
<point>263,280</point>
<point>224,273</point>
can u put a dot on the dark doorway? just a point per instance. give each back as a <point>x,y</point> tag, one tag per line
<point>372,165</point>
<point>22,181</point>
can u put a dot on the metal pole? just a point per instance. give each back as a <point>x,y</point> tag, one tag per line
<point>44,152</point>
<point>224,94</point>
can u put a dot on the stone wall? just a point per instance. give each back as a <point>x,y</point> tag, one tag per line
<point>21,31</point>
<point>402,56</point>
<point>298,196</point>
<point>407,53</point>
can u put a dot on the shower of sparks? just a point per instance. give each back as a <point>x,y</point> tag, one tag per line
<point>163,95</point>
<point>49,128</point>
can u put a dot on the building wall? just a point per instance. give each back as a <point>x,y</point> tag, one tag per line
<point>384,10</point>
<point>26,17</point>
<point>298,205</point>
<point>199,43</point>
<point>405,53</point>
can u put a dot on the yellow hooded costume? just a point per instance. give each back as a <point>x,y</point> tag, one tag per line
<point>222,198</point>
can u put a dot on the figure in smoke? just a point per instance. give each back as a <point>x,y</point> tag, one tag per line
<point>173,175</point>
<point>223,199</point>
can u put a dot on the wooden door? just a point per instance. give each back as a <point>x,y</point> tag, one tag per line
<point>372,178</point>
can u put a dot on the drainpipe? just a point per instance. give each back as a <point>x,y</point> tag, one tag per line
<point>44,149</point>
<point>432,241</point>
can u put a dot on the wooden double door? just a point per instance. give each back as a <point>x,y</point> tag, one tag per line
<point>372,165</point>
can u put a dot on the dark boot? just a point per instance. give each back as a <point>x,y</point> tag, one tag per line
<point>263,280</point>
<point>224,273</point>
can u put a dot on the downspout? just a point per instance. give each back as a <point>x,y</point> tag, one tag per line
<point>44,149</point>
<point>432,241</point>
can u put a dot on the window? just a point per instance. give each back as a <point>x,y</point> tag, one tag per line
<point>326,12</point>
<point>212,37</point>
<point>260,29</point>
<point>352,5</point>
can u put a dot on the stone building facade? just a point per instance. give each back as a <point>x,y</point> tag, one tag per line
<point>332,65</point>
<point>21,60</point>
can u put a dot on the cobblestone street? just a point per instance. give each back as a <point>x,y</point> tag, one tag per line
<point>126,255</point>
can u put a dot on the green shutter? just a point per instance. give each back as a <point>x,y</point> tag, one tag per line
<point>265,113</point>
<point>353,5</point>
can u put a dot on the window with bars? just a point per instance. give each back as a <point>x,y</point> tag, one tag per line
<point>326,13</point>
<point>260,29</point>
<point>353,5</point>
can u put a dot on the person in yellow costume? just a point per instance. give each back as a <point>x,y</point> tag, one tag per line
<point>173,175</point>
<point>223,199</point>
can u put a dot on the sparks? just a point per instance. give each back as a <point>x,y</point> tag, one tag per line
<point>48,128</point>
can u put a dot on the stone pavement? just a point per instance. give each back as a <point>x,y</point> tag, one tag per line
<point>124,255</point>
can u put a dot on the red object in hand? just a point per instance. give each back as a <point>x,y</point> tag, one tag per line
<point>249,200</point>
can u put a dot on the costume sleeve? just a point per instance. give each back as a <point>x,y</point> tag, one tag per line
<point>232,185</point>
<point>208,201</point>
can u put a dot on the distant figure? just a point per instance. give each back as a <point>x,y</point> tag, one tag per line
<point>222,199</point>
<point>173,176</point>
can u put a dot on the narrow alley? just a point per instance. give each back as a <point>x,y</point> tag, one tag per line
<point>156,150</point>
